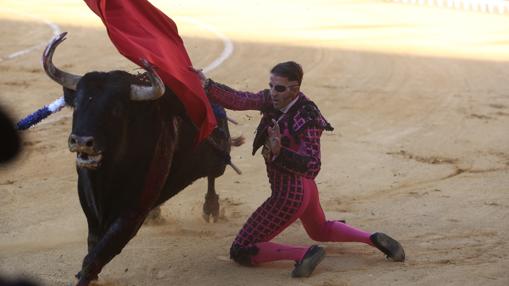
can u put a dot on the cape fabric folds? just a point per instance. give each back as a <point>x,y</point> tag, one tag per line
<point>140,30</point>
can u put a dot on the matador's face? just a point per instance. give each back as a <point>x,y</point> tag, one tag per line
<point>282,91</point>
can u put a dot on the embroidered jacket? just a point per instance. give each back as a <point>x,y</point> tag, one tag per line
<point>301,127</point>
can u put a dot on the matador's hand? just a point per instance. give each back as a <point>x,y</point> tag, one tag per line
<point>200,74</point>
<point>274,138</point>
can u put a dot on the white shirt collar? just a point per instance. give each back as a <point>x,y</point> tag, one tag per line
<point>286,108</point>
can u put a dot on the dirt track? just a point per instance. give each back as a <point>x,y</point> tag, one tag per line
<point>419,99</point>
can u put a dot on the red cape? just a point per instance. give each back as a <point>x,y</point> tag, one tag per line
<point>140,30</point>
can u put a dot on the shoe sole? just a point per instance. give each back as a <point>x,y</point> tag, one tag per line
<point>389,246</point>
<point>308,265</point>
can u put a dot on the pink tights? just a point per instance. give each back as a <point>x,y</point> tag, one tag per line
<point>318,229</point>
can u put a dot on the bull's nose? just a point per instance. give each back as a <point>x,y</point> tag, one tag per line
<point>81,143</point>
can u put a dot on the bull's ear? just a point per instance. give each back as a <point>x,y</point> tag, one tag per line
<point>69,96</point>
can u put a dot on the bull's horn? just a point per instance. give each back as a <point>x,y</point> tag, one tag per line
<point>65,79</point>
<point>140,92</point>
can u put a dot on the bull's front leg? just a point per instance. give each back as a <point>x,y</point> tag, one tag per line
<point>113,241</point>
<point>94,237</point>
<point>127,224</point>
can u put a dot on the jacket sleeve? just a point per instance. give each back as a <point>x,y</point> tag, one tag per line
<point>306,160</point>
<point>236,100</point>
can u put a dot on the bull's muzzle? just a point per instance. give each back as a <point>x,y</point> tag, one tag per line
<point>87,154</point>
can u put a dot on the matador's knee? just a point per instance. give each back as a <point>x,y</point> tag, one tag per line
<point>242,255</point>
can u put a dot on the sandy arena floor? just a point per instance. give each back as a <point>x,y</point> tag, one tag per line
<point>419,99</point>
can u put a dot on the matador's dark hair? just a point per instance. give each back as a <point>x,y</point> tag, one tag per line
<point>291,70</point>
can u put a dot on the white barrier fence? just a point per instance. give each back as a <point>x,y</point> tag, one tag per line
<point>485,6</point>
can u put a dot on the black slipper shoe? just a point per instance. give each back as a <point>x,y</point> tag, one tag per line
<point>388,245</point>
<point>311,259</point>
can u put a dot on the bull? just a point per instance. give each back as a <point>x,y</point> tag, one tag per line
<point>135,150</point>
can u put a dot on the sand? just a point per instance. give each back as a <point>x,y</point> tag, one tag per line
<point>419,100</point>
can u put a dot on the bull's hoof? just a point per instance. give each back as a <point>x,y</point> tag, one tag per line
<point>154,217</point>
<point>79,276</point>
<point>205,217</point>
<point>84,282</point>
<point>210,217</point>
<point>211,208</point>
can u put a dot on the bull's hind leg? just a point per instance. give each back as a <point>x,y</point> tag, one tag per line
<point>211,204</point>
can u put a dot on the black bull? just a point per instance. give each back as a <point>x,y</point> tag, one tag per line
<point>135,150</point>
